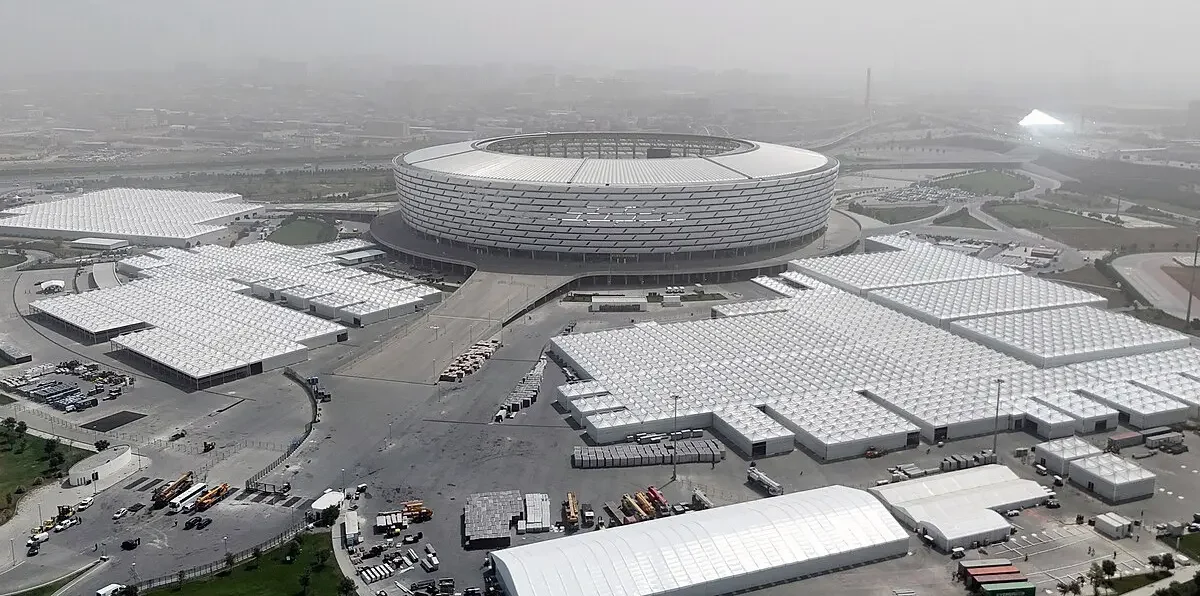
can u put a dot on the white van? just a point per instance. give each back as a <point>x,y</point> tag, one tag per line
<point>109,590</point>
<point>37,539</point>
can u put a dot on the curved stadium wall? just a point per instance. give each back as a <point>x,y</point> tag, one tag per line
<point>585,196</point>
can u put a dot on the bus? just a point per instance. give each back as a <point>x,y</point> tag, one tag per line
<point>187,496</point>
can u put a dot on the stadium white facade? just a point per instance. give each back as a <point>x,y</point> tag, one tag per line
<point>841,372</point>
<point>717,551</point>
<point>139,216</point>
<point>206,315</point>
<point>634,196</point>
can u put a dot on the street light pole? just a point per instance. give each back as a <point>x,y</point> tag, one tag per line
<point>996,430</point>
<point>1187,319</point>
<point>674,443</point>
<point>343,479</point>
<point>225,539</point>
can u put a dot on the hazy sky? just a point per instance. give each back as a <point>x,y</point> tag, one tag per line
<point>898,38</point>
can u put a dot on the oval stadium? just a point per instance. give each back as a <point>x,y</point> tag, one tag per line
<point>615,197</point>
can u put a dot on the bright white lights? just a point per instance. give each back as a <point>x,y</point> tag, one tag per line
<point>1040,118</point>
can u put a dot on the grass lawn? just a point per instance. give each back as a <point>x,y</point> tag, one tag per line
<point>899,215</point>
<point>1035,218</point>
<point>8,259</point>
<point>270,575</point>
<point>961,219</point>
<point>989,182</point>
<point>304,231</point>
<point>21,466</point>
<point>1130,583</point>
<point>50,589</point>
<point>1189,544</point>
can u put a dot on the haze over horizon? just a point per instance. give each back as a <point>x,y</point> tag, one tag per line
<point>1144,48</point>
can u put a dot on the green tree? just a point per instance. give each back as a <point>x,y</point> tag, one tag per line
<point>1168,561</point>
<point>329,515</point>
<point>10,423</point>
<point>56,459</point>
<point>21,427</point>
<point>346,587</point>
<point>50,446</point>
<point>1109,567</point>
<point>305,581</point>
<point>1095,576</point>
<point>101,445</point>
<point>320,559</point>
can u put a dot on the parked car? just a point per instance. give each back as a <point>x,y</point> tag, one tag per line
<point>204,523</point>
<point>192,522</point>
<point>66,523</point>
<point>131,544</point>
<point>33,551</point>
<point>85,503</point>
<point>118,514</point>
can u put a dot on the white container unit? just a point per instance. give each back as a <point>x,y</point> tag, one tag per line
<point>842,425</point>
<point>1056,455</point>
<point>861,273</point>
<point>1114,526</point>
<point>939,304</point>
<point>1090,416</point>
<point>1181,388</point>
<point>752,432</point>
<point>1068,335</point>
<point>1111,478</point>
<point>1040,419</point>
<point>1138,407</point>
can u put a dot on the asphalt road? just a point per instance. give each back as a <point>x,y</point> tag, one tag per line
<point>1144,272</point>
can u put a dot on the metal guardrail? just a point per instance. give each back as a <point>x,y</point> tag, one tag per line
<point>217,566</point>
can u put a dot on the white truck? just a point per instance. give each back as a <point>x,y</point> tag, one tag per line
<point>110,590</point>
<point>757,476</point>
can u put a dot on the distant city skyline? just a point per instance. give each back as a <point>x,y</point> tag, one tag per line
<point>1136,50</point>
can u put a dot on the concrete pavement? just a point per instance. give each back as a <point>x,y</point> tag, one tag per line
<point>1144,272</point>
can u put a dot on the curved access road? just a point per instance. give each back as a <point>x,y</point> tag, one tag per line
<point>1144,272</point>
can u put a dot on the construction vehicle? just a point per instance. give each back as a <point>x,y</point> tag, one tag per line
<point>179,434</point>
<point>700,501</point>
<point>644,504</point>
<point>64,512</point>
<point>209,446</point>
<point>571,511</point>
<point>659,500</point>
<point>614,512</point>
<point>630,506</point>
<point>873,453</point>
<point>589,516</point>
<point>211,497</point>
<point>163,495</point>
<point>757,477</point>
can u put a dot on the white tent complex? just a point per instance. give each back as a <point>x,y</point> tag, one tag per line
<point>1056,455</point>
<point>716,551</point>
<point>961,508</point>
<point>883,350</point>
<point>1111,478</point>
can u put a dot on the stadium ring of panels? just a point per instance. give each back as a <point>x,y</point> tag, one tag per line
<point>630,196</point>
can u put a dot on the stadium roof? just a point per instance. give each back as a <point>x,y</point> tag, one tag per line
<point>835,526</point>
<point>131,212</point>
<point>472,159</point>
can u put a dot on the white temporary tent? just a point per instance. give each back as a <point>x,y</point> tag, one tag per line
<point>1111,478</point>
<point>717,551</point>
<point>1056,455</point>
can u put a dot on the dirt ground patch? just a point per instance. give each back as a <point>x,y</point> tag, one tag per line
<point>1091,279</point>
<point>1124,239</point>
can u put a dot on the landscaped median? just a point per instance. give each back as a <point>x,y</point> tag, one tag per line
<point>27,462</point>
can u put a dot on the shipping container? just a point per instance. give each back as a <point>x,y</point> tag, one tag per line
<point>1010,589</point>
<point>964,565</point>
<point>1125,439</point>
<point>996,570</point>
<point>1000,579</point>
<point>1158,430</point>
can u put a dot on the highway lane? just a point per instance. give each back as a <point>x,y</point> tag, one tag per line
<point>1144,272</point>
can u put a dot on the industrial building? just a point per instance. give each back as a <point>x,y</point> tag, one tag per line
<point>1111,478</point>
<point>192,315</point>
<point>842,372</point>
<point>961,508</point>
<point>644,196</point>
<point>137,216</point>
<point>716,551</point>
<point>1056,455</point>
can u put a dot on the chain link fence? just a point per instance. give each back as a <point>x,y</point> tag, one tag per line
<point>223,564</point>
<point>252,483</point>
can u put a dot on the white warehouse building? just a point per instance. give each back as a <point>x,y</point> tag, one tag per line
<point>961,508</point>
<point>1111,478</point>
<point>724,550</point>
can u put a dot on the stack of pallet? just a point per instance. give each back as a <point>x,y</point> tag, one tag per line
<point>470,361</point>
<point>488,517</point>
<point>622,456</point>
<point>538,516</point>
<point>526,391</point>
